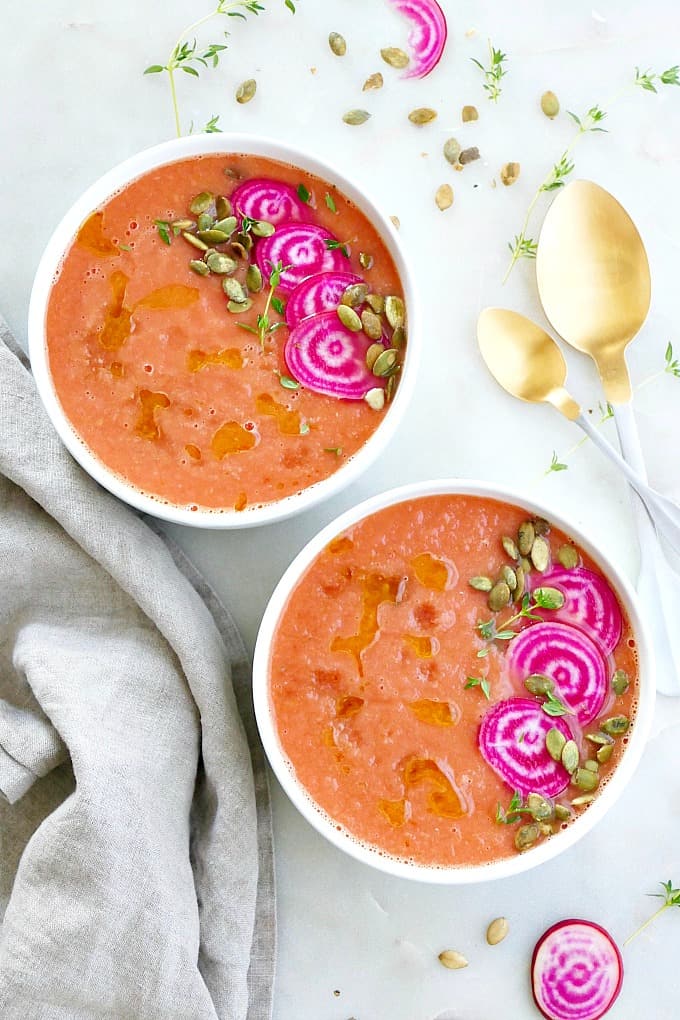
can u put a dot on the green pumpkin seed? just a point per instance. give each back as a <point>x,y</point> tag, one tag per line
<point>365,260</point>
<point>509,173</point>
<point>349,318</point>
<point>550,104</point>
<point>469,113</point>
<point>390,387</point>
<point>599,738</point>
<point>386,363</point>
<point>254,279</point>
<point>337,44</point>
<point>372,354</point>
<point>499,596</point>
<point>205,221</point>
<point>510,547</point>
<point>452,151</point>
<point>568,556</point>
<point>525,537</point>
<point>541,526</point>
<point>587,798</point>
<point>519,590</point>
<point>228,225</point>
<point>199,267</point>
<point>541,810</point>
<point>399,337</point>
<point>246,91</point>
<point>195,241</point>
<point>468,155</point>
<point>374,81</point>
<point>371,324</point>
<point>525,564</point>
<point>540,554</point>
<point>183,224</point>
<point>239,251</point>
<point>376,303</point>
<point>356,117</point>
<point>246,240</point>
<point>620,682</point>
<point>395,57</point>
<point>288,383</point>
<point>562,813</point>
<point>585,780</point>
<point>526,836</point>
<point>570,756</point>
<point>234,290</point>
<point>481,583</point>
<point>539,684</point>
<point>615,725</point>
<point>213,236</point>
<point>239,306</point>
<point>591,765</point>
<point>263,229</point>
<point>201,203</point>
<point>509,576</point>
<point>223,207</point>
<point>422,115</point>
<point>604,753</point>
<point>221,264</point>
<point>395,312</point>
<point>546,829</point>
<point>549,598</point>
<point>375,398</point>
<point>443,197</point>
<point>554,742</point>
<point>354,295</point>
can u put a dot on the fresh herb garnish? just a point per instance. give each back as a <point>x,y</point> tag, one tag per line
<point>211,127</point>
<point>513,813</point>
<point>554,706</point>
<point>670,897</point>
<point>337,450</point>
<point>493,73</point>
<point>333,245</point>
<point>303,194</point>
<point>541,598</point>
<point>125,247</point>
<point>304,428</point>
<point>672,365</point>
<point>556,464</point>
<point>646,79</point>
<point>278,305</point>
<point>330,202</point>
<point>481,682</point>
<point>163,228</point>
<point>265,328</point>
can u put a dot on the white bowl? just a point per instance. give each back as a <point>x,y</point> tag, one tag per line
<point>99,192</point>
<point>284,770</point>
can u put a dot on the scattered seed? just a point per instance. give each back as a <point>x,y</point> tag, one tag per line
<point>525,537</point>
<point>349,318</point>
<point>554,742</point>
<point>376,302</point>
<point>183,224</point>
<point>499,596</point>
<point>390,387</point>
<point>587,798</point>
<point>604,753</point>
<point>508,575</point>
<point>615,725</point>
<point>481,583</point>
<point>509,173</point>
<point>239,306</point>
<point>227,225</point>
<point>374,81</point>
<point>254,279</point>
<point>221,264</point>
<point>541,809</point>
<point>601,739</point>
<point>620,682</point>
<point>525,564</point>
<point>452,151</point>
<point>497,931</point>
<point>510,547</point>
<point>396,222</point>
<point>422,115</point>
<point>205,221</point>
<point>239,250</point>
<point>386,363</point>
<point>395,311</point>
<point>234,290</point>
<point>469,113</point>
<point>372,326</point>
<point>212,236</point>
<point>365,260</point>
<point>444,197</point>
<point>540,554</point>
<point>591,765</point>
<point>399,337</point>
<point>199,267</point>
<point>539,684</point>
<point>337,44</point>
<point>354,295</point>
<point>468,155</point>
<point>550,104</point>
<point>201,202</point>
<point>375,398</point>
<point>570,756</point>
<point>567,556</point>
<point>562,813</point>
<point>585,780</point>
<point>541,526</point>
<point>372,354</point>
<point>222,207</point>
<point>246,91</point>
<point>195,241</point>
<point>519,590</point>
<point>546,829</point>
<point>395,57</point>
<point>526,836</point>
<point>355,117</point>
<point>263,229</point>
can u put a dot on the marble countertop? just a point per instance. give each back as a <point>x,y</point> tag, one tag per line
<point>355,943</point>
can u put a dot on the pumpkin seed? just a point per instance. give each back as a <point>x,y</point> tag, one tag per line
<point>235,290</point>
<point>587,798</point>
<point>263,229</point>
<point>223,207</point>
<point>245,240</point>
<point>355,117</point>
<point>254,279</point>
<point>615,725</point>
<point>452,960</point>
<point>481,583</point>
<point>386,363</point>
<point>509,576</point>
<point>604,753</point>
<point>395,57</point>
<point>509,173</point>
<point>510,547</point>
<point>396,222</point>
<point>519,590</point>
<point>620,682</point>
<point>239,251</point>
<point>541,809</point>
<point>526,836</point>
<point>199,267</point>
<point>546,829</point>
<point>499,596</point>
<point>591,765</point>
<point>422,115</point>
<point>227,225</point>
<point>374,81</point>
<point>399,337</point>
<point>365,260</point>
<point>599,738</point>
<point>525,537</point>
<point>570,756</point>
<point>549,598</point>
<point>354,295</point>
<point>183,224</point>
<point>550,104</point>
<point>469,113</point>
<point>195,241</point>
<point>239,306</point>
<point>585,780</point>
<point>376,302</point>
<point>541,526</point>
<point>221,264</point>
<point>562,813</point>
<point>390,387</point>
<point>205,221</point>
<point>372,354</point>
<point>554,743</point>
<point>468,155</point>
<point>525,564</point>
<point>349,318</point>
<point>246,91</point>
<point>539,684</point>
<point>371,324</point>
<point>201,202</point>
<point>452,151</point>
<point>337,44</point>
<point>395,312</point>
<point>213,236</point>
<point>567,556</point>
<point>443,197</point>
<point>375,398</point>
<point>497,931</point>
<point>540,554</point>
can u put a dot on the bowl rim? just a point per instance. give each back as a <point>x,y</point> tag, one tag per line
<point>103,188</point>
<point>462,875</point>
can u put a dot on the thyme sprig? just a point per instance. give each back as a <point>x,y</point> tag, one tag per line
<point>494,73</point>
<point>187,56</point>
<point>514,810</point>
<point>670,897</point>
<point>481,682</point>
<point>540,598</point>
<point>265,328</point>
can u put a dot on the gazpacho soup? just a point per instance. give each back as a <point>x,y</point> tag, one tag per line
<point>226,331</point>
<point>453,681</point>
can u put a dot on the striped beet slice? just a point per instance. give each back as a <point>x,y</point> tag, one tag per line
<point>576,971</point>
<point>512,741</point>
<point>272,201</point>
<point>320,293</point>
<point>570,658</point>
<point>325,356</point>
<point>589,603</point>
<point>302,248</point>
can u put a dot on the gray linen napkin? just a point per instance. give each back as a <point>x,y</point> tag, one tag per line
<point>136,876</point>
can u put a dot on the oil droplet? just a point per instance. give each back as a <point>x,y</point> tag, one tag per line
<point>436,713</point>
<point>431,572</point>
<point>175,295</point>
<point>117,321</point>
<point>442,799</point>
<point>348,706</point>
<point>241,502</point>
<point>424,647</point>
<point>91,236</point>
<point>394,811</point>
<point>231,357</point>
<point>328,737</point>
<point>376,589</point>
<point>193,451</point>
<point>340,545</point>
<point>117,369</point>
<point>147,427</point>
<point>231,438</point>
<point>288,421</point>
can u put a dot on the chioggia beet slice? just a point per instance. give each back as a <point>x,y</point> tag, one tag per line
<point>512,741</point>
<point>303,249</point>
<point>576,971</point>
<point>320,293</point>
<point>427,37</point>
<point>589,604</point>
<point>272,201</point>
<point>325,356</point>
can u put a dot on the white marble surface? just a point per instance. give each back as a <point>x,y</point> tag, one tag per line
<point>74,102</point>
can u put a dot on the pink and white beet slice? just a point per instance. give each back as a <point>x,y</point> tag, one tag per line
<point>320,293</point>
<point>589,603</point>
<point>427,37</point>
<point>303,251</point>
<point>576,971</point>
<point>512,741</point>
<point>326,357</point>
<point>264,199</point>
